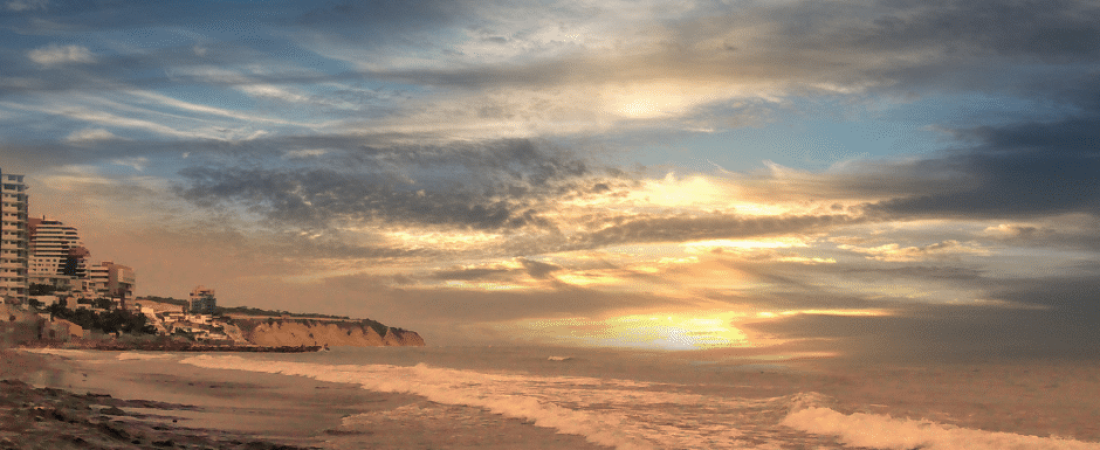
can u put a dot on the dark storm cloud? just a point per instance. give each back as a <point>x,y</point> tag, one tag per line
<point>945,43</point>
<point>941,44</point>
<point>1042,29</point>
<point>1068,294</point>
<point>906,46</point>
<point>318,196</point>
<point>1045,317</point>
<point>955,332</point>
<point>498,185</point>
<point>1017,170</point>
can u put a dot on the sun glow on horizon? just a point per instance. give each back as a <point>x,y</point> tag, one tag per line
<point>659,331</point>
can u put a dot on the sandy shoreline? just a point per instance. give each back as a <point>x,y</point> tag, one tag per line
<point>164,402</point>
<point>52,401</point>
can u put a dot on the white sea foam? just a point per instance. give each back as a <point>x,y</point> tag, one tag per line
<point>885,432</point>
<point>630,414</point>
<point>499,393</point>
<point>57,351</point>
<point>129,356</point>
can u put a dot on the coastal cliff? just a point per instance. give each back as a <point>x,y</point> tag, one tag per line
<point>333,333</point>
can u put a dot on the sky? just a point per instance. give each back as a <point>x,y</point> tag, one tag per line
<point>771,179</point>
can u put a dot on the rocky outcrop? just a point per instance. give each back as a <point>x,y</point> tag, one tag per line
<point>310,332</point>
<point>402,338</point>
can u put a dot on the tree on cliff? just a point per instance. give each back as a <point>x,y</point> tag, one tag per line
<point>37,289</point>
<point>103,303</point>
<point>113,321</point>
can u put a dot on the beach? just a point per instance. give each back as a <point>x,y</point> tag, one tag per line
<point>536,398</point>
<point>163,404</point>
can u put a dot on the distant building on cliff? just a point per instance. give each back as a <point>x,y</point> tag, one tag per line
<point>203,301</point>
<point>57,256</point>
<point>13,239</point>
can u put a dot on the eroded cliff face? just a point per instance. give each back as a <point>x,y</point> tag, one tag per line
<point>308,332</point>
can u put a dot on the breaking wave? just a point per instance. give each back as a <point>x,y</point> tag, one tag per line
<point>456,387</point>
<point>631,415</point>
<point>129,356</point>
<point>885,432</point>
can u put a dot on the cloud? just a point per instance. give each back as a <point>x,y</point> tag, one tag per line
<point>1012,171</point>
<point>796,48</point>
<point>965,313</point>
<point>494,185</point>
<point>681,228</point>
<point>451,306</point>
<point>389,14</point>
<point>976,28</point>
<point>539,270</point>
<point>305,153</point>
<point>950,249</point>
<point>27,5</point>
<point>956,332</point>
<point>1017,170</point>
<point>57,54</point>
<point>138,163</point>
<point>275,92</point>
<point>90,135</point>
<point>351,135</point>
<point>471,274</point>
<point>1010,231</point>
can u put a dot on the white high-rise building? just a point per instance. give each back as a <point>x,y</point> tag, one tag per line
<point>57,255</point>
<point>14,239</point>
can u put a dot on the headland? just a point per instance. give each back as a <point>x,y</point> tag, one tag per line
<point>155,325</point>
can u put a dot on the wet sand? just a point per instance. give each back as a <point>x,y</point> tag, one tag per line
<point>163,404</point>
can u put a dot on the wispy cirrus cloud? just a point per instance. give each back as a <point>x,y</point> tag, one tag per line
<point>61,54</point>
<point>90,135</point>
<point>26,5</point>
<point>940,250</point>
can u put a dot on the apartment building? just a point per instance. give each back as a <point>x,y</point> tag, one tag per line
<point>14,239</point>
<point>57,256</point>
<point>203,301</point>
<point>110,280</point>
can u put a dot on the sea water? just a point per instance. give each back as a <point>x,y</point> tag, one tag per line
<point>628,399</point>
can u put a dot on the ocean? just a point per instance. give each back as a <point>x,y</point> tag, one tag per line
<point>632,399</point>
